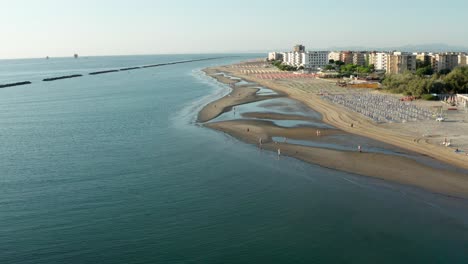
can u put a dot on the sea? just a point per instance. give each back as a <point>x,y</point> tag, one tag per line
<point>114,168</point>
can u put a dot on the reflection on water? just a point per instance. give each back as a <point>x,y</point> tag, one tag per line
<point>265,91</point>
<point>284,106</point>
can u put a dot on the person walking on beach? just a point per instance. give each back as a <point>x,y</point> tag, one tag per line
<point>279,153</point>
<point>359,148</point>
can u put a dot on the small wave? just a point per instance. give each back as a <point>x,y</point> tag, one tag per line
<point>189,113</point>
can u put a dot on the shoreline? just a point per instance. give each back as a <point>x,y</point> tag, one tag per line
<point>398,169</point>
<point>342,118</point>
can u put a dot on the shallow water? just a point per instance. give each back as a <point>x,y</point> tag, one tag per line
<point>114,169</point>
<point>265,91</point>
<point>279,106</point>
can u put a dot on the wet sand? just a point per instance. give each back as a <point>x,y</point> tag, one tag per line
<point>238,96</point>
<point>387,167</point>
<point>276,116</point>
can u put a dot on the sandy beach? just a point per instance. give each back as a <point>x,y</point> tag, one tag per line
<point>387,167</point>
<point>383,166</point>
<point>339,117</point>
<point>239,95</point>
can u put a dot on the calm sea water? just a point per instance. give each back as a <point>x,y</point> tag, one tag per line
<point>113,169</point>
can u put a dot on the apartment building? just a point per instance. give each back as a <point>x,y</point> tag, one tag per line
<point>360,58</point>
<point>346,57</point>
<point>379,59</point>
<point>275,56</point>
<point>293,58</point>
<point>444,61</point>
<point>399,62</point>
<point>462,59</point>
<point>334,55</point>
<point>299,48</point>
<point>424,57</point>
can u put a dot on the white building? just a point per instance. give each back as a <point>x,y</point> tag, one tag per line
<point>275,56</point>
<point>379,59</point>
<point>334,55</point>
<point>462,59</point>
<point>293,58</point>
<point>311,60</point>
<point>314,60</point>
<point>286,57</point>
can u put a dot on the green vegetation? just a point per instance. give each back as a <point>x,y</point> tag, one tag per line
<point>444,71</point>
<point>352,69</point>
<point>426,70</point>
<point>429,97</point>
<point>339,63</point>
<point>284,67</point>
<point>417,85</point>
<point>423,68</point>
<point>346,70</point>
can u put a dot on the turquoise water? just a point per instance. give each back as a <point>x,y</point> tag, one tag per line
<point>113,169</point>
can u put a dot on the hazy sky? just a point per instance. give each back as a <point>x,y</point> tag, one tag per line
<point>37,28</point>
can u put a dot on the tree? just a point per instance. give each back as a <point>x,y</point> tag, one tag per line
<point>348,68</point>
<point>421,64</point>
<point>363,69</point>
<point>339,63</point>
<point>457,80</point>
<point>444,71</point>
<point>425,71</point>
<point>329,67</point>
<point>332,61</point>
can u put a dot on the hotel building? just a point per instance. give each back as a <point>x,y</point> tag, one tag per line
<point>314,60</point>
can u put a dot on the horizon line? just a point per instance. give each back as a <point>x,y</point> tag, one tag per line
<point>136,54</point>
